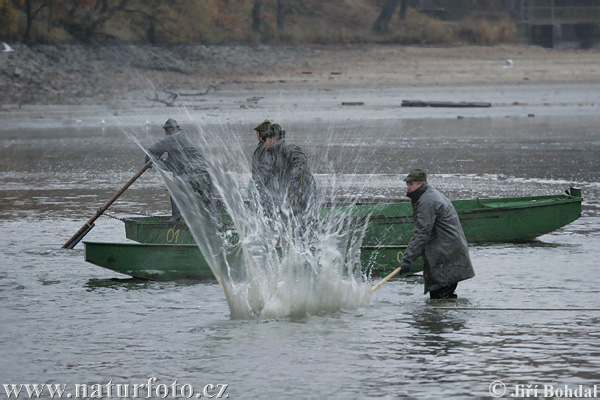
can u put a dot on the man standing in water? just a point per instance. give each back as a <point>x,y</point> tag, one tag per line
<point>291,185</point>
<point>261,169</point>
<point>438,236</point>
<point>186,163</point>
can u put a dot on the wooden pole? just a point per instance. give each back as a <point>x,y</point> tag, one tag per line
<point>384,280</point>
<point>76,238</point>
<point>387,278</point>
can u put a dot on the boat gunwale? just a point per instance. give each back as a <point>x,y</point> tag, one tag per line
<point>546,200</point>
<point>550,201</point>
<point>137,244</point>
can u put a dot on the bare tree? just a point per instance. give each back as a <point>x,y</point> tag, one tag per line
<point>84,20</point>
<point>155,17</point>
<point>383,22</point>
<point>101,6</point>
<point>280,14</point>
<point>403,9</point>
<point>31,11</point>
<point>256,22</point>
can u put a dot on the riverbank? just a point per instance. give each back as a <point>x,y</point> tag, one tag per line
<point>118,75</point>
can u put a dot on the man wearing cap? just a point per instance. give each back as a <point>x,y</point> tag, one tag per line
<point>291,185</point>
<point>261,164</point>
<point>261,169</point>
<point>438,236</point>
<point>176,153</point>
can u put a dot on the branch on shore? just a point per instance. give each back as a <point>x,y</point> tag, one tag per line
<point>169,97</point>
<point>169,101</point>
<point>207,91</point>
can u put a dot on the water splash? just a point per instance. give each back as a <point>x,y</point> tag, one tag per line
<point>267,270</point>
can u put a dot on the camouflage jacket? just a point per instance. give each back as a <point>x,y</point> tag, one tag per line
<point>291,178</point>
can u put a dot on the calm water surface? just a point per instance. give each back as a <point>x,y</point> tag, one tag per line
<point>69,322</point>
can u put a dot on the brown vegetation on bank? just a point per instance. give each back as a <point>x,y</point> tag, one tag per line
<point>250,22</point>
<point>107,51</point>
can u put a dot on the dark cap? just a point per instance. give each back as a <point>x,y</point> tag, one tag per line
<point>274,131</point>
<point>263,126</point>
<point>416,175</point>
<point>170,124</point>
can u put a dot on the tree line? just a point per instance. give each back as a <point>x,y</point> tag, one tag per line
<point>172,21</point>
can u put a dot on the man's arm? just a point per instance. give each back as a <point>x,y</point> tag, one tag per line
<point>299,166</point>
<point>159,148</point>
<point>424,222</point>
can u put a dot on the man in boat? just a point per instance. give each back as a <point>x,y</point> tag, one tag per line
<point>262,165</point>
<point>176,153</point>
<point>438,236</point>
<point>290,184</point>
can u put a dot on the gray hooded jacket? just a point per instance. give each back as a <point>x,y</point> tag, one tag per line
<point>182,157</point>
<point>439,237</point>
<point>185,162</point>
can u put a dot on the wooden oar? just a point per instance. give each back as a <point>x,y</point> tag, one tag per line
<point>387,278</point>
<point>384,280</point>
<point>76,238</point>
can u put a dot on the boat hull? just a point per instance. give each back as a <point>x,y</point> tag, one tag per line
<point>157,262</point>
<point>169,262</point>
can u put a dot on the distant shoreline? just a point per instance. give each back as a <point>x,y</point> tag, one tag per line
<point>115,76</point>
<point>345,108</point>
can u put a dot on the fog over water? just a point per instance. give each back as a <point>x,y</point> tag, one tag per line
<point>67,321</point>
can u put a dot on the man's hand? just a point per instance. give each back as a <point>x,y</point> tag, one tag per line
<point>405,267</point>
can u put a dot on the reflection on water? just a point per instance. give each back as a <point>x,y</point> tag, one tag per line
<point>120,283</point>
<point>66,321</point>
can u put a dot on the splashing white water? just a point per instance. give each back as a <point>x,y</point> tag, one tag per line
<point>266,269</point>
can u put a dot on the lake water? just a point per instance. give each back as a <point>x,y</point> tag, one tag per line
<point>69,322</point>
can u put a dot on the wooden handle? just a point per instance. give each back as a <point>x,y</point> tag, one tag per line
<point>387,278</point>
<point>384,280</point>
<point>76,238</point>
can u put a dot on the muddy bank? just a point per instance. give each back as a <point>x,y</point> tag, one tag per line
<point>110,75</point>
<point>98,75</point>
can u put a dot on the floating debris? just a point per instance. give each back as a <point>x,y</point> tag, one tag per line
<point>462,104</point>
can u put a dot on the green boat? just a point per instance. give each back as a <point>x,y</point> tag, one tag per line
<point>169,262</point>
<point>515,219</point>
<point>166,250</point>
<point>158,262</point>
